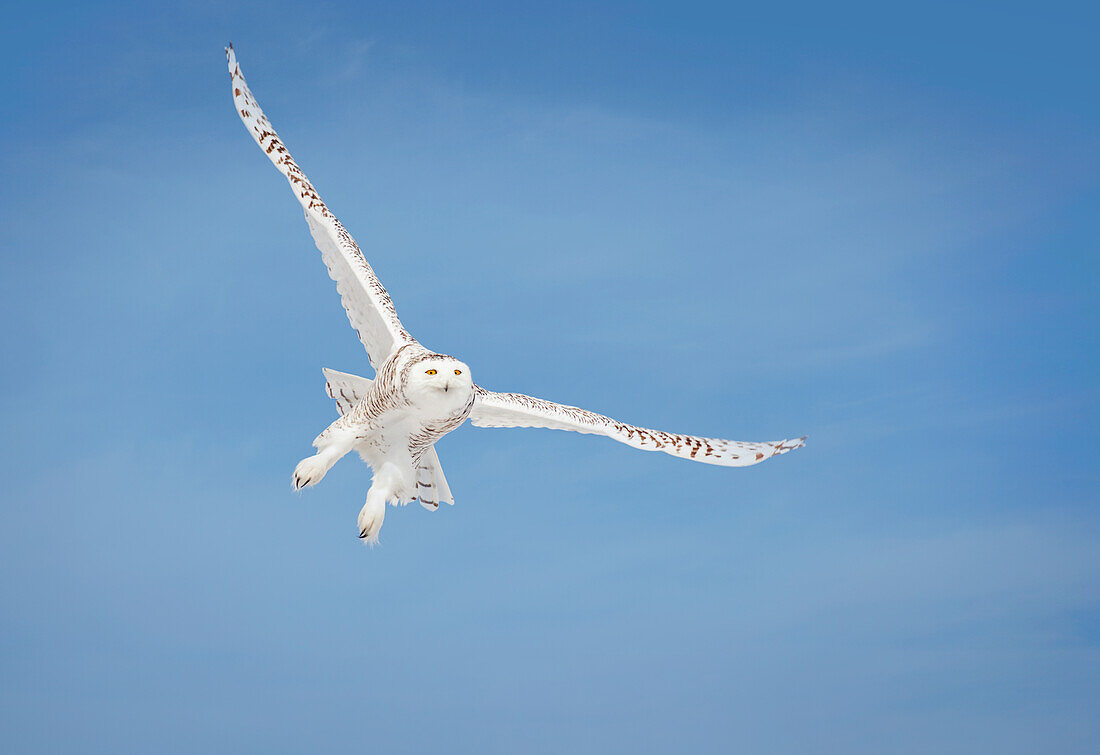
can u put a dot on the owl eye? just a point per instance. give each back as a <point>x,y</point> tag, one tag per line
<point>429,372</point>
<point>458,372</point>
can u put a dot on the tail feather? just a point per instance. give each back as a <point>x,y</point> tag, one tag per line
<point>431,486</point>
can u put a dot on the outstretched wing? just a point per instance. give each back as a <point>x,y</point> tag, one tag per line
<point>516,410</point>
<point>369,307</point>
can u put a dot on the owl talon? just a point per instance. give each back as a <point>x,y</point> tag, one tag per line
<point>371,517</point>
<point>310,471</point>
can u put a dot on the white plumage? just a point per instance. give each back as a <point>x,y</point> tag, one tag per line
<point>418,396</point>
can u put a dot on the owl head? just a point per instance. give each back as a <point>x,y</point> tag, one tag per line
<point>439,380</point>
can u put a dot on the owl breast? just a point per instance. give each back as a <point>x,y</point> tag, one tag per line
<point>438,416</point>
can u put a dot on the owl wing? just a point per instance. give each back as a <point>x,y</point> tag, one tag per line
<point>369,307</point>
<point>516,410</point>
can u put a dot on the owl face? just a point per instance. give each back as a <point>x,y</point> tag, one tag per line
<point>439,381</point>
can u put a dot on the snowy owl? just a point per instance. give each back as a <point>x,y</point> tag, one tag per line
<point>418,396</point>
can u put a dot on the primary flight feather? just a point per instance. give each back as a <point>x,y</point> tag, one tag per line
<point>417,396</point>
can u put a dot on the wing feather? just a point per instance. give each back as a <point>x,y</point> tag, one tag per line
<point>516,410</point>
<point>365,300</point>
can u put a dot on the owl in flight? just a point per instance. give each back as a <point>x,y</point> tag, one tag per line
<point>417,396</point>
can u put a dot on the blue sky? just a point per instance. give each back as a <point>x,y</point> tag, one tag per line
<point>875,226</point>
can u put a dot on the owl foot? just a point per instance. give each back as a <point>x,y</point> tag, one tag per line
<point>370,519</point>
<point>310,471</point>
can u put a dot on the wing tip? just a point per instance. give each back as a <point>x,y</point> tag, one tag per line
<point>231,61</point>
<point>790,444</point>
<point>330,373</point>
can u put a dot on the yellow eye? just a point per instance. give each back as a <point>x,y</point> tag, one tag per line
<point>458,372</point>
<point>430,372</point>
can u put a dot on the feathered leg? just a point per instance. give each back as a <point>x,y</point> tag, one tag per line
<point>384,488</point>
<point>372,514</point>
<point>332,445</point>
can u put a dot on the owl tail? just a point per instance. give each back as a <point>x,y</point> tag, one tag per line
<point>431,486</point>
